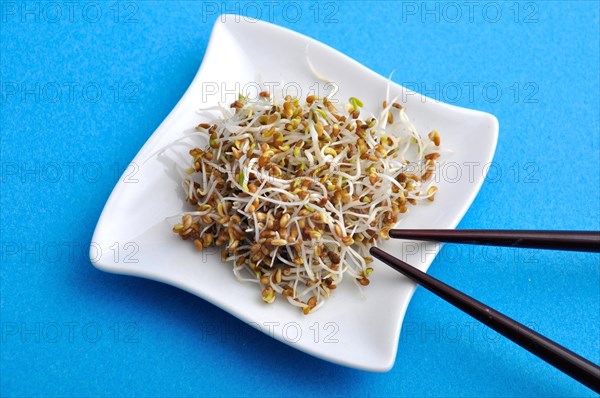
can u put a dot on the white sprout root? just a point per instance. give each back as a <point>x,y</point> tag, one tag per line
<point>296,193</point>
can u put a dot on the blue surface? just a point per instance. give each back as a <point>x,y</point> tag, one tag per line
<point>61,156</point>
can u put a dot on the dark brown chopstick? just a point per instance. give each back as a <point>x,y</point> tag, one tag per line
<point>563,359</point>
<point>583,241</point>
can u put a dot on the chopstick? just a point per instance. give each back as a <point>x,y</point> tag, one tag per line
<point>560,357</point>
<point>584,241</point>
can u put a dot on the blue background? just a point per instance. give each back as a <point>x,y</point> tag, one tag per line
<point>127,69</point>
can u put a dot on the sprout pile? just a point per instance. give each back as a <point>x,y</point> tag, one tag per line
<point>296,192</point>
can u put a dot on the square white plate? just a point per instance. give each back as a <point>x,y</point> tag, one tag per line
<point>349,330</point>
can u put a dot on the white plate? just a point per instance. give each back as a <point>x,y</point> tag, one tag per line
<point>349,330</point>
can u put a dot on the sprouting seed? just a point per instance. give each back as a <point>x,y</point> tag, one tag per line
<point>356,103</point>
<point>285,206</point>
<point>268,295</point>
<point>434,136</point>
<point>283,222</point>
